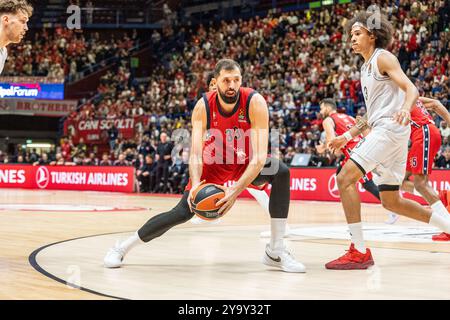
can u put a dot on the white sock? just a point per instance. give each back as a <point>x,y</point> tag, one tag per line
<point>277,229</point>
<point>439,207</point>
<point>261,197</point>
<point>440,217</point>
<point>356,233</point>
<point>131,242</point>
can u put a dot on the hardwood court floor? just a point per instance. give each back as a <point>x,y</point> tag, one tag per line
<point>42,251</point>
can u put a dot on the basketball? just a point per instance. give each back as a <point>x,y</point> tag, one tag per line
<point>204,201</point>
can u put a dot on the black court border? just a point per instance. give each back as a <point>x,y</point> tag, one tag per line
<point>38,268</point>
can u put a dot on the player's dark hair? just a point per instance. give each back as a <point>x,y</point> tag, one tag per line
<point>377,24</point>
<point>329,102</point>
<point>14,6</point>
<point>209,78</point>
<point>226,64</point>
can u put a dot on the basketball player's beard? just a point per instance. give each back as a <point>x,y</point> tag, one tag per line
<point>227,99</point>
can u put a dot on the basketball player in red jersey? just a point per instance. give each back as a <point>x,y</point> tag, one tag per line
<point>14,15</point>
<point>235,122</point>
<point>425,144</point>
<point>336,124</point>
<point>258,193</point>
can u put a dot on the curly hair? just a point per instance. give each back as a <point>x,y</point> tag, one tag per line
<point>381,28</point>
<point>14,6</point>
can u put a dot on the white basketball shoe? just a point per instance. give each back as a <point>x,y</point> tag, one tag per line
<point>392,218</point>
<point>114,257</point>
<point>283,260</point>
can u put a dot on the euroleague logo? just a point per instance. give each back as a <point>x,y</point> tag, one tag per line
<point>42,177</point>
<point>333,187</point>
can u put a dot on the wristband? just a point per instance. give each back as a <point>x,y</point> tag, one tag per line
<point>348,136</point>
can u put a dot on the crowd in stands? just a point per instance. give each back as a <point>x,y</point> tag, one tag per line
<point>293,59</point>
<point>64,53</point>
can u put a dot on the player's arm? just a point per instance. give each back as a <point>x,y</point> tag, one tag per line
<point>360,127</point>
<point>259,138</point>
<point>328,127</point>
<point>196,157</point>
<point>388,64</point>
<point>436,106</point>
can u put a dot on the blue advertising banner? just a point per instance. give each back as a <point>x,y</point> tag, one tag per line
<point>26,90</point>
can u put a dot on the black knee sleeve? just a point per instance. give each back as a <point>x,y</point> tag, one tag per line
<point>278,175</point>
<point>161,223</point>
<point>371,187</point>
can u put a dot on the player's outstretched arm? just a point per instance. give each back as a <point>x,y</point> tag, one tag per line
<point>389,65</point>
<point>259,119</point>
<point>436,106</point>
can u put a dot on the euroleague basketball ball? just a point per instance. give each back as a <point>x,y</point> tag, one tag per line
<point>204,201</point>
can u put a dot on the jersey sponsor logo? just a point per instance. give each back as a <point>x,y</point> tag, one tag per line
<point>241,115</point>
<point>42,177</point>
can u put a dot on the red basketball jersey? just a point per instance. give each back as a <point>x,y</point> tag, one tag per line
<point>227,149</point>
<point>343,123</point>
<point>420,116</point>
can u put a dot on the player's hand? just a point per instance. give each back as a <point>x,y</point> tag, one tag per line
<point>337,143</point>
<point>321,148</point>
<point>402,117</point>
<point>228,201</point>
<point>194,187</point>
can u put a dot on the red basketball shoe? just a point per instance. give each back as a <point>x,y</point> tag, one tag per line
<point>352,260</point>
<point>441,237</point>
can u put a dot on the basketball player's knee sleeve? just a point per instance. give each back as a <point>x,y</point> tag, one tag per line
<point>280,193</point>
<point>161,223</point>
<point>371,187</point>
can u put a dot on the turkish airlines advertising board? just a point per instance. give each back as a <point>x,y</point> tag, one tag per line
<point>320,184</point>
<point>119,179</point>
<point>317,184</point>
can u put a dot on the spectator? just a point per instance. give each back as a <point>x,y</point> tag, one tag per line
<point>121,161</point>
<point>92,160</point>
<point>443,161</point>
<point>445,130</point>
<point>113,134</point>
<point>42,161</point>
<point>80,149</point>
<point>180,173</point>
<point>105,160</point>
<point>146,174</point>
<point>164,161</point>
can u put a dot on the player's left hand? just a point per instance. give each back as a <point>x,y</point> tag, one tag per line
<point>337,143</point>
<point>402,117</point>
<point>228,201</point>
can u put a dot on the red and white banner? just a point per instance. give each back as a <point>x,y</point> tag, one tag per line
<point>116,179</point>
<point>320,184</point>
<point>96,131</point>
<point>306,184</point>
<point>43,108</point>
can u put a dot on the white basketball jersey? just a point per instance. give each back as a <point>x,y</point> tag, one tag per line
<point>383,97</point>
<point>3,56</point>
